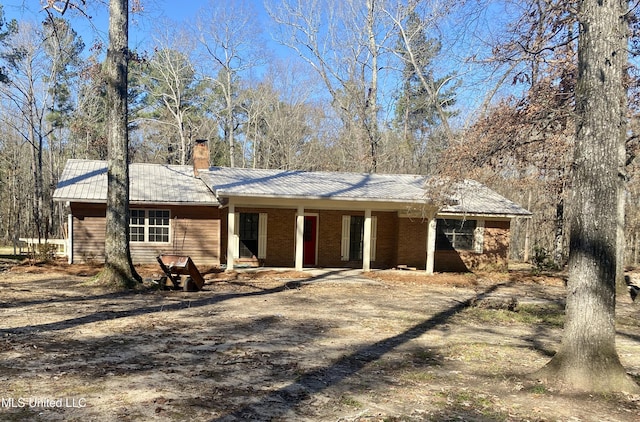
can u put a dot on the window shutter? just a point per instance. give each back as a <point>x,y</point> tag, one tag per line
<point>262,236</point>
<point>478,237</point>
<point>374,237</point>
<point>236,236</point>
<point>344,245</point>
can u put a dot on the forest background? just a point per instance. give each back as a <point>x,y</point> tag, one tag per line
<point>454,89</point>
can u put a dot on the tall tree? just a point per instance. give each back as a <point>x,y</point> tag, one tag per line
<point>587,358</point>
<point>424,103</point>
<point>87,124</point>
<point>345,43</point>
<point>118,270</point>
<point>530,133</point>
<point>38,62</point>
<point>229,34</point>
<point>5,31</point>
<point>171,90</point>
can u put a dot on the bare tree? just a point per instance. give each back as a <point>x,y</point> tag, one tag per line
<point>413,23</point>
<point>39,62</point>
<point>587,358</point>
<point>344,42</point>
<point>230,36</point>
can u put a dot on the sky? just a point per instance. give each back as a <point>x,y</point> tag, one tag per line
<point>185,12</point>
<point>140,24</point>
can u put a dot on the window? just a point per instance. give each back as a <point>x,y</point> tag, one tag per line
<point>455,234</point>
<point>158,225</point>
<point>356,235</point>
<point>248,234</point>
<point>149,226</point>
<point>136,226</point>
<point>352,246</point>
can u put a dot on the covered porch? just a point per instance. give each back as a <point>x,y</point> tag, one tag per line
<point>312,234</point>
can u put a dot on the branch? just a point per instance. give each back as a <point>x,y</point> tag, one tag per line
<point>61,6</point>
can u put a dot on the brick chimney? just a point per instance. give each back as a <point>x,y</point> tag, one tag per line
<point>200,156</point>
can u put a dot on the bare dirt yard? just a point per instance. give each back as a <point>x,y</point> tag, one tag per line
<point>283,346</point>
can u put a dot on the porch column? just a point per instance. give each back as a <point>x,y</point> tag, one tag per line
<point>299,238</point>
<point>366,242</point>
<point>69,244</point>
<point>431,244</point>
<point>231,241</point>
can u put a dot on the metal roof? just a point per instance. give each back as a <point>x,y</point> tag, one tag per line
<point>227,182</point>
<point>469,197</point>
<point>86,181</point>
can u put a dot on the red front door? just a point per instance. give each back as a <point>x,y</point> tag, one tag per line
<point>310,240</point>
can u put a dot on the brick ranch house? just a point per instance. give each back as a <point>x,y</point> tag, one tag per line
<point>279,218</point>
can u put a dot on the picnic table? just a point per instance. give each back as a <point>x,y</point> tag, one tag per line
<point>181,272</point>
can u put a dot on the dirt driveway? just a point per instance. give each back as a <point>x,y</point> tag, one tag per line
<point>282,346</point>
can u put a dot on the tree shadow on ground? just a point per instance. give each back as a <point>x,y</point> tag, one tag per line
<point>185,302</point>
<point>291,396</point>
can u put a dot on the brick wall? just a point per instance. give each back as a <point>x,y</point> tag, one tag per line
<point>280,236</point>
<point>281,232</point>
<point>412,244</point>
<point>330,239</point>
<point>400,241</point>
<point>494,256</point>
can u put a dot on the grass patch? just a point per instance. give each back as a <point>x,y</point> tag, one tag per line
<point>627,321</point>
<point>538,389</point>
<point>472,404</point>
<point>350,401</point>
<point>527,314</point>
<point>420,377</point>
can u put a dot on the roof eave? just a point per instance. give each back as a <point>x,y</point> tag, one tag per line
<point>227,195</point>
<point>156,203</point>
<point>485,214</point>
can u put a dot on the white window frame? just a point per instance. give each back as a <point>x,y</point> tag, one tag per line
<point>476,235</point>
<point>146,226</point>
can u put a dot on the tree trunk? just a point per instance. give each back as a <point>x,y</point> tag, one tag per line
<point>118,270</point>
<point>229,124</point>
<point>621,285</point>
<point>558,240</point>
<point>371,105</point>
<point>587,359</point>
<point>527,233</point>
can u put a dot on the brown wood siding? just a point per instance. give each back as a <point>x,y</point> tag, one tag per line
<point>195,231</point>
<point>88,232</point>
